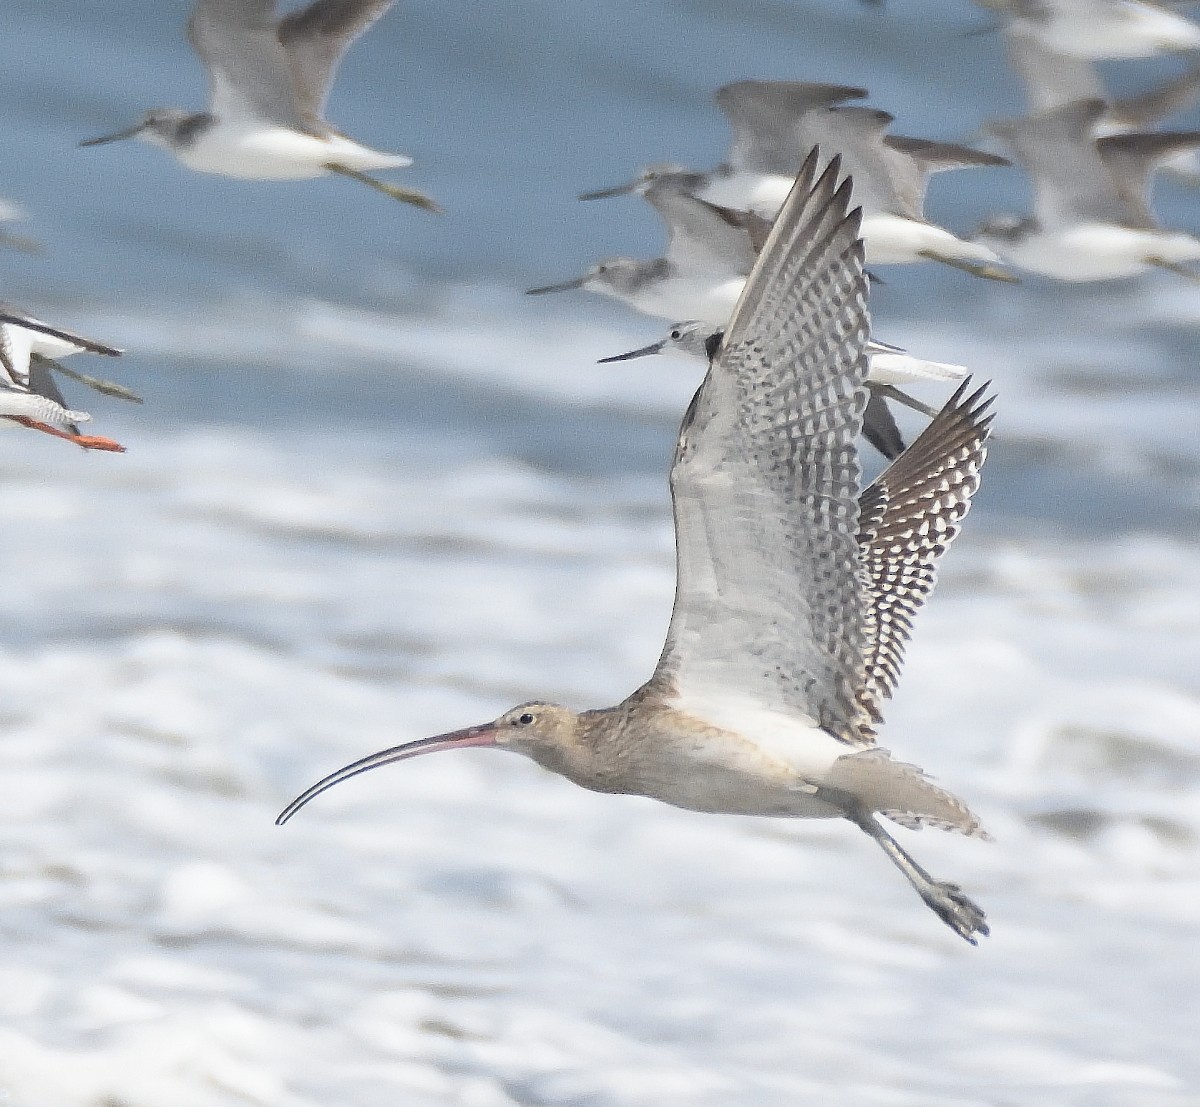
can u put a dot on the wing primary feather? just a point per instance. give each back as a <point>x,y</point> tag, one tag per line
<point>770,596</point>
<point>908,518</point>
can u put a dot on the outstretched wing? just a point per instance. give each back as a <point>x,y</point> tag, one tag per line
<point>909,516</point>
<point>1132,159</point>
<point>765,117</point>
<point>1071,182</point>
<point>769,598</point>
<point>857,135</point>
<point>910,162</point>
<point>248,70</point>
<point>316,37</point>
<point>703,237</point>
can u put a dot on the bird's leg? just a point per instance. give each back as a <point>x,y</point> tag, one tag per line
<point>975,268</point>
<point>891,392</point>
<point>879,427</point>
<point>107,388</point>
<point>1174,267</point>
<point>946,900</point>
<point>404,195</point>
<point>87,441</point>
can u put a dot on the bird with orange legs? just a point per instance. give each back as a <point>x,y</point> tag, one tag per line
<point>29,395</point>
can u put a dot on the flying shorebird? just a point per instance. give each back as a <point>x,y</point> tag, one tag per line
<point>1092,219</point>
<point>795,594</point>
<point>29,396</point>
<point>766,149</point>
<point>1100,28</point>
<point>1053,80</point>
<point>890,367</point>
<point>711,251</point>
<point>774,122</point>
<point>269,79</point>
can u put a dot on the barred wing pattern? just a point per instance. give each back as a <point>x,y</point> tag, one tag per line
<point>909,516</point>
<point>770,593</point>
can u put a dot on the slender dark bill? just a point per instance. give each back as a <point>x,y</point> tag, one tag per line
<point>116,136</point>
<point>563,286</point>
<point>605,193</point>
<point>645,351</point>
<point>455,740</point>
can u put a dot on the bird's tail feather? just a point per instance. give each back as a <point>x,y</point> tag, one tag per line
<point>901,792</point>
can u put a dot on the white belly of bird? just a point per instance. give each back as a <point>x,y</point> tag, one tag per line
<point>755,761</point>
<point>761,193</point>
<point>709,298</point>
<point>279,153</point>
<point>22,342</point>
<point>1100,251</point>
<point>896,240</point>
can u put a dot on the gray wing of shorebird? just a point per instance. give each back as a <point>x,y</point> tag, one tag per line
<point>248,70</point>
<point>890,172</point>
<point>1131,160</point>
<point>769,597</point>
<point>911,162</point>
<point>1071,182</point>
<point>1051,79</point>
<point>883,180</point>
<point>703,237</point>
<point>316,37</point>
<point>908,517</point>
<point>764,117</point>
<point>42,384</point>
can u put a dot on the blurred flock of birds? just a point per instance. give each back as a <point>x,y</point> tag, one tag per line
<point>797,586</point>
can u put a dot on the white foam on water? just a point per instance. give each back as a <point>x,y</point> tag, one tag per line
<point>198,631</point>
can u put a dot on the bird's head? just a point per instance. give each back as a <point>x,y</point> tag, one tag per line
<point>693,337</point>
<point>158,126</point>
<point>611,274</point>
<point>664,173</point>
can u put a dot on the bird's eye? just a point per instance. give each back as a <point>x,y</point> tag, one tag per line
<point>676,334</point>
<point>526,718</point>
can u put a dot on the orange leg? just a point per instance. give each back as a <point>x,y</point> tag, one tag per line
<point>87,441</point>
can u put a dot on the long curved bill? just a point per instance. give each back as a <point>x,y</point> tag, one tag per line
<point>456,740</point>
<point>615,190</point>
<point>116,136</point>
<point>563,286</point>
<point>645,351</point>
